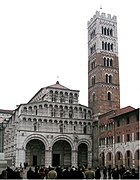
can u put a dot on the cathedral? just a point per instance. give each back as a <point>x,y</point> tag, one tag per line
<point>53,128</point>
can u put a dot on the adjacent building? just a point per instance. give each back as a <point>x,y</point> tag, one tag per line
<point>119,138</point>
<point>4,118</point>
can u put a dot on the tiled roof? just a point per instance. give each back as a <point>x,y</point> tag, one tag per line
<point>124,110</point>
<point>6,111</point>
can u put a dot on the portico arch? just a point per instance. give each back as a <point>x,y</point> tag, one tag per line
<point>82,154</point>
<point>35,153</point>
<point>61,153</point>
<point>35,146</point>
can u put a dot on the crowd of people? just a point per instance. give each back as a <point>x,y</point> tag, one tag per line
<point>70,173</point>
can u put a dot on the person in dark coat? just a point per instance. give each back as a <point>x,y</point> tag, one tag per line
<point>105,172</point>
<point>121,171</point>
<point>97,173</point>
<point>3,175</point>
<point>79,174</point>
<point>109,172</point>
<point>10,173</point>
<point>30,173</point>
<point>66,173</point>
<point>115,173</point>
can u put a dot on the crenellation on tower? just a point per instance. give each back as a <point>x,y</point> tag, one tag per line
<point>104,16</point>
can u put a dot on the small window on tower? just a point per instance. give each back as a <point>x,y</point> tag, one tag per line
<point>108,46</point>
<point>93,97</point>
<point>107,61</point>
<point>105,31</point>
<point>111,47</point>
<point>108,31</point>
<point>106,78</point>
<point>109,96</point>
<point>103,45</point>
<point>110,79</point>
<point>104,61</point>
<point>102,30</point>
<point>111,32</point>
<point>110,62</point>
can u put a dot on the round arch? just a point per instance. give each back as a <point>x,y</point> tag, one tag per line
<point>38,137</point>
<point>128,158</point>
<point>82,154</point>
<point>61,153</point>
<point>118,158</point>
<point>35,152</point>
<point>137,158</point>
<point>85,141</point>
<point>65,138</point>
<point>109,158</point>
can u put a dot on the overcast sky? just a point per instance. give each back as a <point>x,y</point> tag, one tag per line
<point>43,39</point>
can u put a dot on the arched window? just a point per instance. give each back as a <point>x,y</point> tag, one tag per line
<point>104,61</point>
<point>93,96</point>
<point>111,32</point>
<point>103,45</point>
<point>111,62</point>
<point>93,80</point>
<point>108,46</point>
<point>111,47</point>
<point>105,31</point>
<point>106,78</point>
<point>109,96</point>
<point>110,79</point>
<point>107,61</point>
<point>102,30</point>
<point>108,31</point>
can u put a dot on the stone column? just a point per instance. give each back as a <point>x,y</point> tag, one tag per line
<point>20,157</point>
<point>74,158</point>
<point>48,157</point>
<point>89,158</point>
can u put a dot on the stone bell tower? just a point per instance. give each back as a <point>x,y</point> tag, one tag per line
<point>103,65</point>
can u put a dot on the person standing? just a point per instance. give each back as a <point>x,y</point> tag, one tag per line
<point>97,173</point>
<point>89,173</point>
<point>52,174</point>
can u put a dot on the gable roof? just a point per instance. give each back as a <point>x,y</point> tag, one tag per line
<point>55,86</point>
<point>58,86</point>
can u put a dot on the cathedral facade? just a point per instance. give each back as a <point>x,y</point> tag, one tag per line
<point>51,129</point>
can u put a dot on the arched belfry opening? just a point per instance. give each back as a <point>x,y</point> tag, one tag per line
<point>61,154</point>
<point>82,154</point>
<point>35,153</point>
